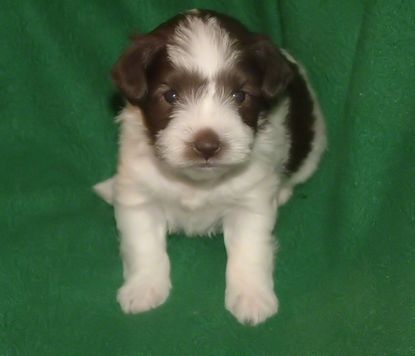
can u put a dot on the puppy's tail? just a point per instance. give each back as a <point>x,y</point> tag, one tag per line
<point>105,190</point>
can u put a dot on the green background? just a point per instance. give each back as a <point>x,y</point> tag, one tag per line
<point>346,267</point>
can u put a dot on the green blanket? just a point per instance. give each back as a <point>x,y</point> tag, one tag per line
<point>346,267</point>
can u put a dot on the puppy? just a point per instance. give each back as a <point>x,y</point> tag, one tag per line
<point>219,126</point>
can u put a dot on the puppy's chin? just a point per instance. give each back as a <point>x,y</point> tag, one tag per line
<point>202,173</point>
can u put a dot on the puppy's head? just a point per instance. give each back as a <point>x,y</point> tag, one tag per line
<point>204,84</point>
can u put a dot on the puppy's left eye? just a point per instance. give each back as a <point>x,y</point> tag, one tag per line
<point>170,96</point>
<point>239,96</point>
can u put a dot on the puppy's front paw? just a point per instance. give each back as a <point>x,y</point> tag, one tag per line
<point>139,294</point>
<point>251,306</point>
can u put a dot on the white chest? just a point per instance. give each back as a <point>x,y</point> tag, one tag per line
<point>196,212</point>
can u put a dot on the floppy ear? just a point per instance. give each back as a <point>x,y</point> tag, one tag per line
<point>129,73</point>
<point>275,68</point>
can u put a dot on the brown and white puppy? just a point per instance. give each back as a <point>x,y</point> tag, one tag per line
<point>218,127</point>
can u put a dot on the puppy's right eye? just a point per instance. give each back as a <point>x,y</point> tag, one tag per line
<point>170,96</point>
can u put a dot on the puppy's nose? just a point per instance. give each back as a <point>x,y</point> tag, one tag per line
<point>206,144</point>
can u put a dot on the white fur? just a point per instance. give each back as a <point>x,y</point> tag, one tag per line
<point>202,46</point>
<point>150,198</point>
<point>154,196</point>
<point>105,190</point>
<point>146,264</point>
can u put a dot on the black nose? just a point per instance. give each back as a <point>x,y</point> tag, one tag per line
<point>206,144</point>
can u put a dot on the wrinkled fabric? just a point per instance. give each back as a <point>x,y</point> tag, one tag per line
<point>345,272</point>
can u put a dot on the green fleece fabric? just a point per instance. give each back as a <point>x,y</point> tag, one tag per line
<point>346,266</point>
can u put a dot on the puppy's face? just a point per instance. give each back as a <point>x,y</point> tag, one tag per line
<point>204,84</point>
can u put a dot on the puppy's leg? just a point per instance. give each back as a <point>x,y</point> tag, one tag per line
<point>250,247</point>
<point>105,190</point>
<point>145,260</point>
<point>285,193</point>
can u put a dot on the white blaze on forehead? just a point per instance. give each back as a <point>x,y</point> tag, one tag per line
<point>202,45</point>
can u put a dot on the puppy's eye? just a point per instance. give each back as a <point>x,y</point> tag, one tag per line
<point>239,96</point>
<point>170,96</point>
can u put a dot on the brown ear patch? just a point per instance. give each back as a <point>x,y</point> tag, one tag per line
<point>276,70</point>
<point>129,73</point>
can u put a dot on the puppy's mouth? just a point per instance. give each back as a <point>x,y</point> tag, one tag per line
<point>207,165</point>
